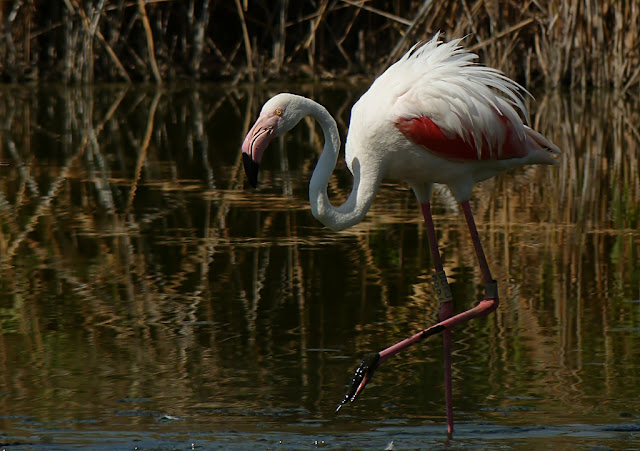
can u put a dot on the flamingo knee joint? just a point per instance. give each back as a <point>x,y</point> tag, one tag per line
<point>491,290</point>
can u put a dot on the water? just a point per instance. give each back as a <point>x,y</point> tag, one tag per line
<point>151,299</point>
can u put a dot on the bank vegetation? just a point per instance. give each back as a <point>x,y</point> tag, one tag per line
<point>555,42</point>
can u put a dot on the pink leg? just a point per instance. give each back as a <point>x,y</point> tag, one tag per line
<point>477,245</point>
<point>446,309</point>
<point>487,305</point>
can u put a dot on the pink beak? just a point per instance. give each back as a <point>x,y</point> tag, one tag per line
<point>255,143</point>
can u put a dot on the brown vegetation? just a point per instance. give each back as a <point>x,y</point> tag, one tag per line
<point>570,43</point>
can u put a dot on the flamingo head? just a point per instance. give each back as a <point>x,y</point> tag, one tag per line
<point>279,115</point>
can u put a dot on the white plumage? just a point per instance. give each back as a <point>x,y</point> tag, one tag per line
<point>437,81</point>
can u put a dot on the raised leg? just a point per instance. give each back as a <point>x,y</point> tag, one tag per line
<point>446,309</point>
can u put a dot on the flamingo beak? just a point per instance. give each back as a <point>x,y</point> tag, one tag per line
<point>255,143</point>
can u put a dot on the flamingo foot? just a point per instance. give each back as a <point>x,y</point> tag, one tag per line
<point>361,377</point>
<point>370,362</point>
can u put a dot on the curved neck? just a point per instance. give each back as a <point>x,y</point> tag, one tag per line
<point>365,180</point>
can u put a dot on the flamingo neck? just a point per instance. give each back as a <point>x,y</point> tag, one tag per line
<point>365,185</point>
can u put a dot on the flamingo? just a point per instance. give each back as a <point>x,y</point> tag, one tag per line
<point>434,116</point>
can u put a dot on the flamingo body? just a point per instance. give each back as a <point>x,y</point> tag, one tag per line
<point>432,117</point>
<point>436,117</point>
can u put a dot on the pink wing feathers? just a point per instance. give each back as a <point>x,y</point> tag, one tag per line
<point>424,132</point>
<point>455,108</point>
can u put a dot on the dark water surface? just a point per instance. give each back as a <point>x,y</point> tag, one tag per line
<point>150,299</point>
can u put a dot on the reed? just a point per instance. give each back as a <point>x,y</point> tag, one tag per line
<point>556,43</point>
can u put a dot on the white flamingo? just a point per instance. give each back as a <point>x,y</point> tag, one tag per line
<point>435,116</point>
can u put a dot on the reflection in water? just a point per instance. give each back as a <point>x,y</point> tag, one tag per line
<point>142,278</point>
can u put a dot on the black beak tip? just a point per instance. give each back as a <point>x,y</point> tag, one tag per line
<point>251,168</point>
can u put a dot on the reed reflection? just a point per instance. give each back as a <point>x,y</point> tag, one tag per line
<point>140,277</point>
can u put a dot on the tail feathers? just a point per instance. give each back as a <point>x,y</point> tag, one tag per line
<point>543,150</point>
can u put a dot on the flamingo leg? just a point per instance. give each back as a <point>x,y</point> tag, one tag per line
<point>446,308</point>
<point>486,306</point>
<point>477,245</point>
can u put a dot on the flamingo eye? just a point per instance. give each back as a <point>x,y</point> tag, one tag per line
<point>278,111</point>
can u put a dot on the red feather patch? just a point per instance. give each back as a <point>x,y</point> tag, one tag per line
<point>424,132</point>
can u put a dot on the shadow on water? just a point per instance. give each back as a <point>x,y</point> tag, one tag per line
<point>150,298</point>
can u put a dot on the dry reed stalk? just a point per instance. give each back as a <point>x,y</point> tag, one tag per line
<point>199,25</point>
<point>9,50</point>
<point>77,9</point>
<point>500,35</point>
<point>247,43</point>
<point>310,42</point>
<point>279,46</point>
<point>150,46</point>
<point>401,45</point>
<point>379,12</point>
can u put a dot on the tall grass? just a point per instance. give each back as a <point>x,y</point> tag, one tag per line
<point>568,43</point>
